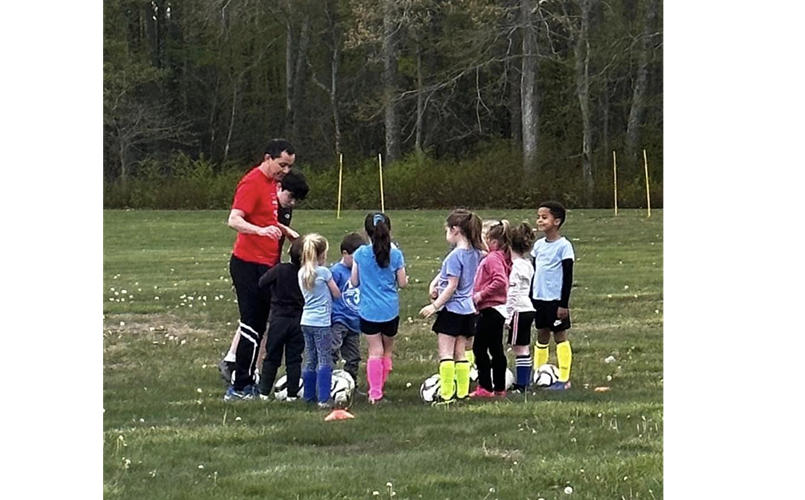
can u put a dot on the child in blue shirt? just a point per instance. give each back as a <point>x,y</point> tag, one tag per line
<point>346,321</point>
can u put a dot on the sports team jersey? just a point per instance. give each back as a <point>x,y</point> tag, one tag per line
<point>380,301</point>
<point>345,309</point>
<point>256,196</point>
<point>548,267</point>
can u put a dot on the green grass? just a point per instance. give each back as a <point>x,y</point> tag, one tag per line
<point>168,434</point>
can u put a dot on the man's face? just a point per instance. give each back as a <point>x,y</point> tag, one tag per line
<point>278,167</point>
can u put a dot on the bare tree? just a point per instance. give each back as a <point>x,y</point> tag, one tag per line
<point>334,35</point>
<point>136,123</point>
<point>391,27</point>
<point>529,97</point>
<point>638,108</point>
<point>582,53</point>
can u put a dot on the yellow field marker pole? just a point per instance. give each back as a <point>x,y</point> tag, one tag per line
<point>648,194</point>
<point>382,199</point>
<point>615,176</point>
<point>340,174</point>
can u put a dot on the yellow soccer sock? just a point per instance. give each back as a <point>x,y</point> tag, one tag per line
<point>470,356</point>
<point>565,356</point>
<point>462,379</point>
<point>540,355</point>
<point>447,374</point>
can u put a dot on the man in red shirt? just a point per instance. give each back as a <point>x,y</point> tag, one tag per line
<point>257,248</point>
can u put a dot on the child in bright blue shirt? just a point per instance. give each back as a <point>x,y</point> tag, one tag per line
<point>346,321</point>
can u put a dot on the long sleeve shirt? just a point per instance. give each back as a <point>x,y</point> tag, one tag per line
<point>492,280</point>
<point>519,287</point>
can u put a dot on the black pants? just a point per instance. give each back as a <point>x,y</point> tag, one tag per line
<point>284,334</point>
<point>254,308</point>
<point>489,341</point>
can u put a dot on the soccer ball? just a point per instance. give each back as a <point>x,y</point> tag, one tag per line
<point>510,378</point>
<point>341,389</point>
<point>346,376</point>
<point>546,375</point>
<point>281,388</point>
<point>430,388</point>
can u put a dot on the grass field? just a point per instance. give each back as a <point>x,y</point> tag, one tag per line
<point>169,315</point>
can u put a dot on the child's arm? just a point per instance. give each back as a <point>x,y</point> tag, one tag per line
<point>402,278</point>
<point>397,260</point>
<point>498,281</point>
<point>267,279</point>
<point>288,232</point>
<point>432,291</point>
<point>567,284</point>
<point>512,294</point>
<point>355,278</point>
<point>441,300</point>
<point>334,288</point>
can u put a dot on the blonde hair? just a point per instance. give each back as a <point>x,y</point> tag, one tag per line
<point>499,231</point>
<point>314,246</point>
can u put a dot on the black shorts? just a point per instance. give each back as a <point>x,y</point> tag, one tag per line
<point>546,316</point>
<point>454,324</point>
<point>387,328</point>
<point>520,329</point>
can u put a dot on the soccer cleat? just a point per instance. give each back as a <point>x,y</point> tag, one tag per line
<point>558,386</point>
<point>444,403</point>
<point>378,402</point>
<point>500,394</point>
<point>327,405</point>
<point>226,368</point>
<point>291,399</point>
<point>480,392</point>
<point>265,397</point>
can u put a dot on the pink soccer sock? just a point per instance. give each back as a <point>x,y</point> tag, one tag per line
<point>374,375</point>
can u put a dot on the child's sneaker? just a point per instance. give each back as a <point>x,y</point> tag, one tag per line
<point>559,386</point>
<point>378,402</point>
<point>248,393</point>
<point>291,399</point>
<point>444,403</point>
<point>500,394</point>
<point>327,405</point>
<point>480,392</point>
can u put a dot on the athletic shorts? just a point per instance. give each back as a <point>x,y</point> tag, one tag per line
<point>453,324</point>
<point>387,328</point>
<point>546,316</point>
<point>520,328</point>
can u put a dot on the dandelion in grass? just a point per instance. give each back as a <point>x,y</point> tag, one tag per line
<point>200,466</point>
<point>568,490</point>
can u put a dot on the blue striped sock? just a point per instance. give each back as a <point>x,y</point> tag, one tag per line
<point>524,365</point>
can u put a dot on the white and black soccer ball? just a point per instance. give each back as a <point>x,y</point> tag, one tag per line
<point>342,388</point>
<point>510,378</point>
<point>346,376</point>
<point>429,390</point>
<point>546,375</point>
<point>281,388</point>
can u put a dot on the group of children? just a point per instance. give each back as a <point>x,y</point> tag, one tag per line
<point>495,278</point>
<point>488,284</point>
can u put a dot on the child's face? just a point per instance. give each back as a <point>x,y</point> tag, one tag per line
<point>347,259</point>
<point>286,198</point>
<point>546,222</point>
<point>451,234</point>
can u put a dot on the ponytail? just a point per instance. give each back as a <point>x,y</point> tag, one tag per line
<point>313,246</point>
<point>500,231</point>
<point>378,228</point>
<point>523,238</point>
<point>470,226</point>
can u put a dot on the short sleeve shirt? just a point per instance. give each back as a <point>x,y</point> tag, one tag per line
<point>345,309</point>
<point>461,263</point>
<point>256,196</point>
<point>318,301</point>
<point>548,257</point>
<point>380,301</point>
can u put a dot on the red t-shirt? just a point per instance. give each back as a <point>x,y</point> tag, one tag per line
<point>256,196</point>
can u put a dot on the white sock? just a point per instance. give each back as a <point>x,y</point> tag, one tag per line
<point>230,357</point>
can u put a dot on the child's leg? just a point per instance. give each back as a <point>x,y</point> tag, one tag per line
<point>468,354</point>
<point>338,332</point>
<point>294,347</point>
<point>311,361</point>
<point>374,366</point>
<point>462,368</point>
<point>564,354</point>
<point>481,348</point>
<point>324,371</point>
<point>351,352</point>
<point>495,347</point>
<point>274,345</point>
<point>541,351</point>
<point>523,365</point>
<point>388,350</point>
<point>520,339</point>
<point>447,365</point>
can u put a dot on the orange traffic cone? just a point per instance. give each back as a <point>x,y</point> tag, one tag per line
<point>339,414</point>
